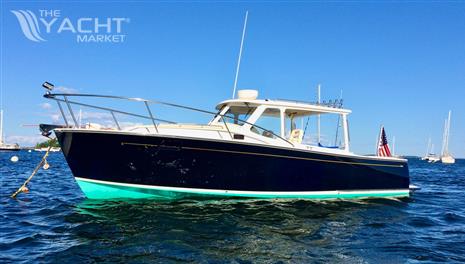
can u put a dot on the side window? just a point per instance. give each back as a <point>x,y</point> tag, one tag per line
<point>269,123</point>
<point>294,125</point>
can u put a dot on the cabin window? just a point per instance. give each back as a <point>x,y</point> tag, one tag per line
<point>302,127</point>
<point>268,124</point>
<point>238,114</point>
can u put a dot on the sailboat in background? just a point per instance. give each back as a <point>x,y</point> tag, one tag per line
<point>446,157</point>
<point>3,145</point>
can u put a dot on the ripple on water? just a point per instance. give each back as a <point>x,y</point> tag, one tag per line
<point>54,223</point>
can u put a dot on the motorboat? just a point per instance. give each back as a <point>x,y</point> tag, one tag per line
<point>4,146</point>
<point>9,147</point>
<point>430,156</point>
<point>249,148</point>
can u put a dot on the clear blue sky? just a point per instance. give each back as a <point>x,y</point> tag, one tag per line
<point>399,64</point>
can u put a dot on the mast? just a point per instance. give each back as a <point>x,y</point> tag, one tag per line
<point>446,136</point>
<point>1,126</point>
<point>240,55</point>
<point>428,147</point>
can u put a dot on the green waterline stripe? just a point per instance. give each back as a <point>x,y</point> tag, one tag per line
<point>107,190</point>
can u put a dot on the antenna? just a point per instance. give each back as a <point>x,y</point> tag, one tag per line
<point>240,54</point>
<point>318,120</point>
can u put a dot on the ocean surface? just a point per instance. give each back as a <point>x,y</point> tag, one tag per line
<point>54,223</point>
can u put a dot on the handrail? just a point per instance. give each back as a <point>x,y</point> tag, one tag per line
<point>107,109</point>
<point>51,96</point>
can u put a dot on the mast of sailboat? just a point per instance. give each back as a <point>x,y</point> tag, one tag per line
<point>428,147</point>
<point>240,54</point>
<point>1,126</point>
<point>448,131</point>
<point>445,147</point>
<point>444,132</point>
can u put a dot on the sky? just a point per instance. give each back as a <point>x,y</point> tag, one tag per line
<point>401,65</point>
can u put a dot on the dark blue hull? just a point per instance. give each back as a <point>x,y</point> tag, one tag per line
<point>183,163</point>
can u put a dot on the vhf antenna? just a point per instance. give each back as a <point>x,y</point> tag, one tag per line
<point>240,54</point>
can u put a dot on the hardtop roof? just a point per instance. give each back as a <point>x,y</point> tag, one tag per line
<point>288,104</point>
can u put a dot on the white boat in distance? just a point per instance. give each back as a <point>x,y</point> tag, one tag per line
<point>4,146</point>
<point>446,157</point>
<point>430,156</point>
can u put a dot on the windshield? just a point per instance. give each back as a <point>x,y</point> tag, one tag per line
<point>238,114</point>
<point>268,124</point>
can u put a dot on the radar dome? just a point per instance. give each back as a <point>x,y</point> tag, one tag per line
<point>247,94</point>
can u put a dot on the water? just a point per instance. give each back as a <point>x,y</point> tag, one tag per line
<point>55,223</point>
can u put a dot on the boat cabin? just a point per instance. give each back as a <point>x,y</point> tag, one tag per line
<point>292,121</point>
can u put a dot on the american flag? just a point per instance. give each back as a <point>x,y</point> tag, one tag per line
<point>383,147</point>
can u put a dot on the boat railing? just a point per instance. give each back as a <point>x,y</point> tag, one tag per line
<point>66,99</point>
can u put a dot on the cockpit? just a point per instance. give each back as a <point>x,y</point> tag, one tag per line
<point>296,122</point>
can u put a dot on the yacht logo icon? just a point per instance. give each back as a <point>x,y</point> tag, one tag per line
<point>29,24</point>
